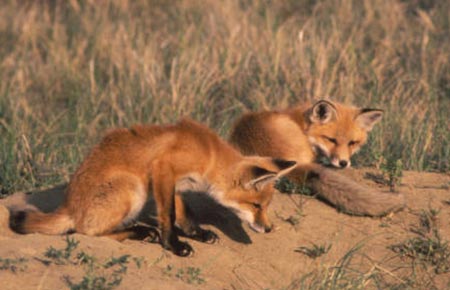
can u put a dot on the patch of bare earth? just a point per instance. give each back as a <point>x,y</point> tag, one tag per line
<point>360,247</point>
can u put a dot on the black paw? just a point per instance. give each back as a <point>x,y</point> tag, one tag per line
<point>152,236</point>
<point>205,236</point>
<point>181,249</point>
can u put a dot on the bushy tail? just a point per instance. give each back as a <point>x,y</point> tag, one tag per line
<point>26,222</point>
<point>344,193</point>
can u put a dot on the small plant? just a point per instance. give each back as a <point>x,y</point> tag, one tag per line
<point>138,261</point>
<point>285,185</point>
<point>294,219</point>
<point>431,250</point>
<point>190,275</point>
<point>84,258</point>
<point>427,246</point>
<point>121,261</point>
<point>63,256</point>
<point>427,222</point>
<point>100,276</point>
<point>93,280</point>
<point>393,171</point>
<point>339,276</point>
<point>315,251</point>
<point>13,265</point>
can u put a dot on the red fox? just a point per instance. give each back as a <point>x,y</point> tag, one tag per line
<point>110,188</point>
<point>308,131</point>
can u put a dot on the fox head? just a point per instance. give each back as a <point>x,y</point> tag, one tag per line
<point>252,189</point>
<point>337,131</point>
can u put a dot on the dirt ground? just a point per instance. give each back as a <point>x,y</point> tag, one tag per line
<point>241,259</point>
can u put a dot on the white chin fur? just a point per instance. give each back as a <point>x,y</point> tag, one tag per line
<point>318,147</point>
<point>257,228</point>
<point>335,162</point>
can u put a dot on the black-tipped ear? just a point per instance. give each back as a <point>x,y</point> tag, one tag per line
<point>257,172</point>
<point>322,112</point>
<point>367,118</point>
<point>260,178</point>
<point>284,164</point>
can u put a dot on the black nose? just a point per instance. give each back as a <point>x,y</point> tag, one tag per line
<point>343,163</point>
<point>267,229</point>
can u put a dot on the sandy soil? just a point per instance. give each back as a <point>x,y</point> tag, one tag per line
<point>241,259</point>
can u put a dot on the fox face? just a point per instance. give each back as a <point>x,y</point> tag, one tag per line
<point>252,190</point>
<point>337,132</point>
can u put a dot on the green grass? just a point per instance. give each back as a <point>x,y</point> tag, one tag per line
<point>13,265</point>
<point>189,275</point>
<point>426,247</point>
<point>99,275</point>
<point>342,275</point>
<point>62,256</point>
<point>72,69</point>
<point>314,251</point>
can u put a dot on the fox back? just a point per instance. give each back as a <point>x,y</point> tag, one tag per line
<point>306,132</point>
<point>109,189</point>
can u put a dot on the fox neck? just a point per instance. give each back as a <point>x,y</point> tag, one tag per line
<point>215,182</point>
<point>297,114</point>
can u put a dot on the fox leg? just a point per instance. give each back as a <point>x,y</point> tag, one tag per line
<point>164,193</point>
<point>136,233</point>
<point>112,205</point>
<point>188,226</point>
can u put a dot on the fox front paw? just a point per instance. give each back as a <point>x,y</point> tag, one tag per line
<point>181,249</point>
<point>206,236</point>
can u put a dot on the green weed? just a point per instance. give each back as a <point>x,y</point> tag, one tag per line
<point>340,276</point>
<point>13,265</point>
<point>315,251</point>
<point>62,256</point>
<point>427,247</point>
<point>99,275</point>
<point>285,185</point>
<point>393,172</point>
<point>190,275</point>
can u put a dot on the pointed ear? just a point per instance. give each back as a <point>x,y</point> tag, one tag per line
<point>367,118</point>
<point>322,112</point>
<point>261,177</point>
<point>285,166</point>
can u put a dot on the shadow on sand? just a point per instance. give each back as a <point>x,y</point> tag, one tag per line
<point>203,208</point>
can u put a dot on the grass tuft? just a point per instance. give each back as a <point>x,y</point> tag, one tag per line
<point>72,69</point>
<point>315,251</point>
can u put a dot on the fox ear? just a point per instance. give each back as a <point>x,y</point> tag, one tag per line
<point>262,176</point>
<point>284,166</point>
<point>322,112</point>
<point>367,118</point>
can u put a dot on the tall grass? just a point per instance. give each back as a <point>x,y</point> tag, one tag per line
<point>70,69</point>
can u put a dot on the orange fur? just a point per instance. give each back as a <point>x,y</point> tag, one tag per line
<point>109,189</point>
<point>307,131</point>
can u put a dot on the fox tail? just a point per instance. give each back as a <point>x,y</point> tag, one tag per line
<point>345,194</point>
<point>58,222</point>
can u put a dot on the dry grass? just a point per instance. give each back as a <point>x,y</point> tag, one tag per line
<point>70,69</point>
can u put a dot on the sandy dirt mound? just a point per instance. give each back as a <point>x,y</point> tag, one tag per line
<point>242,259</point>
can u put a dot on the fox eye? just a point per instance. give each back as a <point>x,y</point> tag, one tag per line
<point>332,140</point>
<point>351,143</point>
<point>256,205</point>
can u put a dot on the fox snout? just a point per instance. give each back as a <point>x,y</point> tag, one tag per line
<point>340,163</point>
<point>261,228</point>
